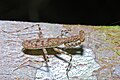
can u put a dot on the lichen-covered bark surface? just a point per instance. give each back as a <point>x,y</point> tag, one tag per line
<point>100,59</point>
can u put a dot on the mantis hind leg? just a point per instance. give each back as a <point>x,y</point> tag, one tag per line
<point>40,35</point>
<point>45,58</point>
<point>69,63</point>
<point>27,62</point>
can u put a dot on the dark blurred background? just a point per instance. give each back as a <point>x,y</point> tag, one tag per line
<point>87,12</point>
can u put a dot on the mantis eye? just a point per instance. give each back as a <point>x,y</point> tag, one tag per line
<point>81,32</point>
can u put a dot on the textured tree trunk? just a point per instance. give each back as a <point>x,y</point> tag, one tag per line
<point>100,51</point>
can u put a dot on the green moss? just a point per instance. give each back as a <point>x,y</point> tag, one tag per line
<point>110,27</point>
<point>118,52</point>
<point>107,27</point>
<point>112,35</point>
